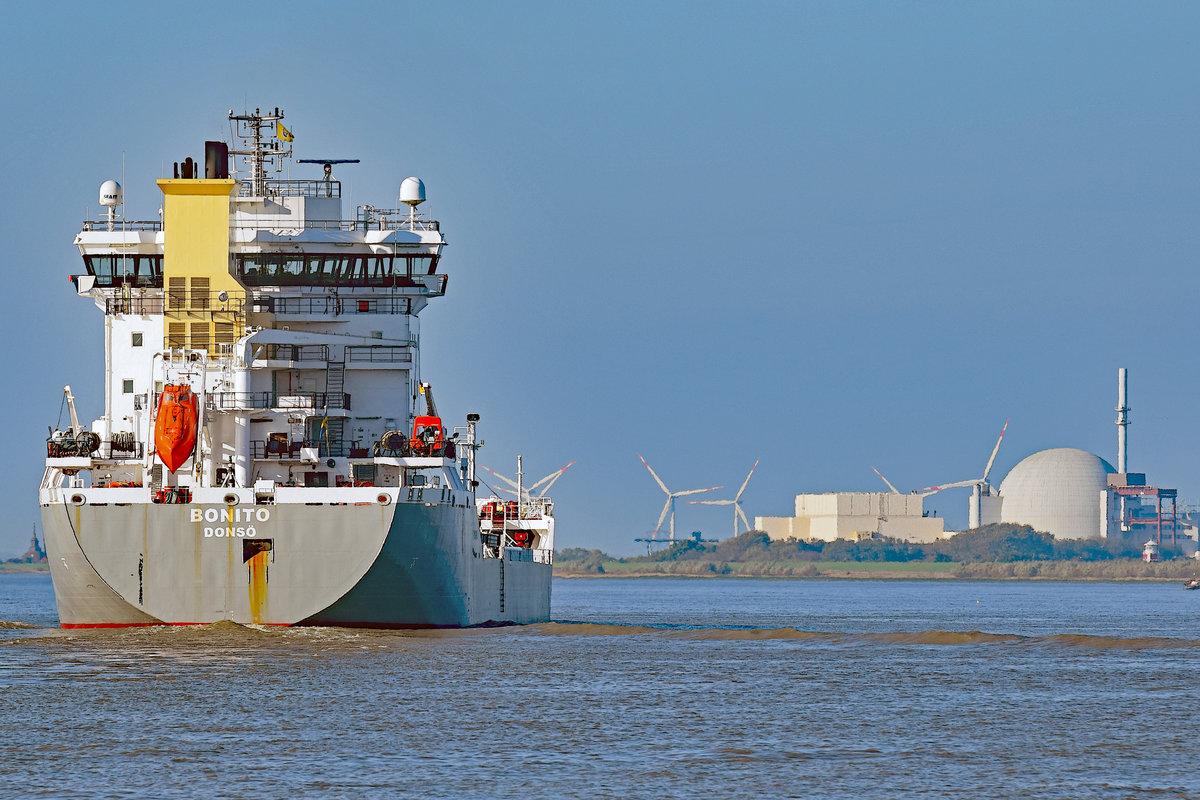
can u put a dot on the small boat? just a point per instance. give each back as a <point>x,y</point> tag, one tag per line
<point>175,425</point>
<point>1194,583</point>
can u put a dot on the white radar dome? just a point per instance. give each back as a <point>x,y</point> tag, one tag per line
<point>1057,491</point>
<point>111,194</point>
<point>412,192</point>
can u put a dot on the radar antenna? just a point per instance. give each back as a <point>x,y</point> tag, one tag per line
<point>328,163</point>
<point>261,156</point>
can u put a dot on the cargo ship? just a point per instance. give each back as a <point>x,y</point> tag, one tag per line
<point>268,453</point>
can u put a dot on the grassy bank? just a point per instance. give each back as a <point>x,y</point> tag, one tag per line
<point>1112,570</point>
<point>42,567</point>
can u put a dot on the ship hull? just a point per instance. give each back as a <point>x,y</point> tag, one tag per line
<point>395,565</point>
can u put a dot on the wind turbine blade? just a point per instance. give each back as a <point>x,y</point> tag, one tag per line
<point>996,449</point>
<point>662,516</point>
<point>941,487</point>
<point>552,477</point>
<point>696,491</point>
<point>885,480</point>
<point>710,502</point>
<point>657,479</point>
<point>742,514</point>
<point>509,481</point>
<point>738,496</point>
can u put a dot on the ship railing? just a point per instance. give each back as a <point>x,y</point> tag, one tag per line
<point>123,225</point>
<point>331,305</point>
<point>233,401</point>
<point>344,225</point>
<point>289,450</point>
<point>395,219</point>
<point>120,449</point>
<point>291,352</point>
<point>376,354</point>
<point>143,306</point>
<point>295,188</point>
<point>543,556</point>
<point>204,302</point>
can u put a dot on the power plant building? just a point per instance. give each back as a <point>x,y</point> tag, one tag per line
<point>855,515</point>
<point>1064,491</point>
<point>1057,491</point>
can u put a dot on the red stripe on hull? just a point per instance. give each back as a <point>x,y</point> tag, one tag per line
<point>154,624</point>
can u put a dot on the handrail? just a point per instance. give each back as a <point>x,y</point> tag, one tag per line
<point>142,306</point>
<point>291,352</point>
<point>345,225</point>
<point>295,188</point>
<point>332,305</point>
<point>379,353</point>
<point>122,225</point>
<point>233,401</point>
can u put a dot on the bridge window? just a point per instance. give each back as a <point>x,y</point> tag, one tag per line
<point>125,269</point>
<point>327,269</point>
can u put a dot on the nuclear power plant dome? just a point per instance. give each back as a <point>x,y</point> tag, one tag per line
<point>1057,491</point>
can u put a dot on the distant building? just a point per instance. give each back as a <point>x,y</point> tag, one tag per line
<point>34,555</point>
<point>855,515</point>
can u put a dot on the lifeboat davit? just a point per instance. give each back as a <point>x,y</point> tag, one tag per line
<point>175,425</point>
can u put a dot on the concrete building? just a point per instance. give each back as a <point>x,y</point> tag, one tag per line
<point>851,515</point>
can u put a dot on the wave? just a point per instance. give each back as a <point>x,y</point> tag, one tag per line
<point>13,625</point>
<point>926,637</point>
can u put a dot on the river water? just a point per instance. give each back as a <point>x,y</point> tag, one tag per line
<point>641,688</point>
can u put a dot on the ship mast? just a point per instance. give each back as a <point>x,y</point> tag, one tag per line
<point>250,128</point>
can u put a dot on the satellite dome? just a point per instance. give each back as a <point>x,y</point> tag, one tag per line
<point>412,191</point>
<point>111,194</point>
<point>1057,491</point>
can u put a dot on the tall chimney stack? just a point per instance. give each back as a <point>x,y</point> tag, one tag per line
<point>1122,420</point>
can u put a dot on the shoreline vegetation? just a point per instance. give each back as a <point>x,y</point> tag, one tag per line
<point>992,552</point>
<point>24,566</point>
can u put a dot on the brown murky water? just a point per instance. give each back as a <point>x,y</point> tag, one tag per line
<point>643,688</point>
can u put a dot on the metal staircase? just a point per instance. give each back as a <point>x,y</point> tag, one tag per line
<point>335,384</point>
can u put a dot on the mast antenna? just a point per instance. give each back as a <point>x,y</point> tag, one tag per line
<point>262,156</point>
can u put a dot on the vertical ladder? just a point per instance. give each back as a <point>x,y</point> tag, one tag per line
<point>502,580</point>
<point>335,383</point>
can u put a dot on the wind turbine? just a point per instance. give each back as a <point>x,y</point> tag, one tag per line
<point>544,484</point>
<point>919,493</point>
<point>669,506</point>
<point>980,487</point>
<point>736,502</point>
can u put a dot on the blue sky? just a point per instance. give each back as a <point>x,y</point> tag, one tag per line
<point>826,235</point>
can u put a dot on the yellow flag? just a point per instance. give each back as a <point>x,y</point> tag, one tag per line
<point>282,132</point>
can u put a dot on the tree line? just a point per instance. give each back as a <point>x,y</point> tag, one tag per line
<point>998,543</point>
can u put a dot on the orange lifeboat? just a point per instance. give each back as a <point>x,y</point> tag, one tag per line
<point>175,425</point>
